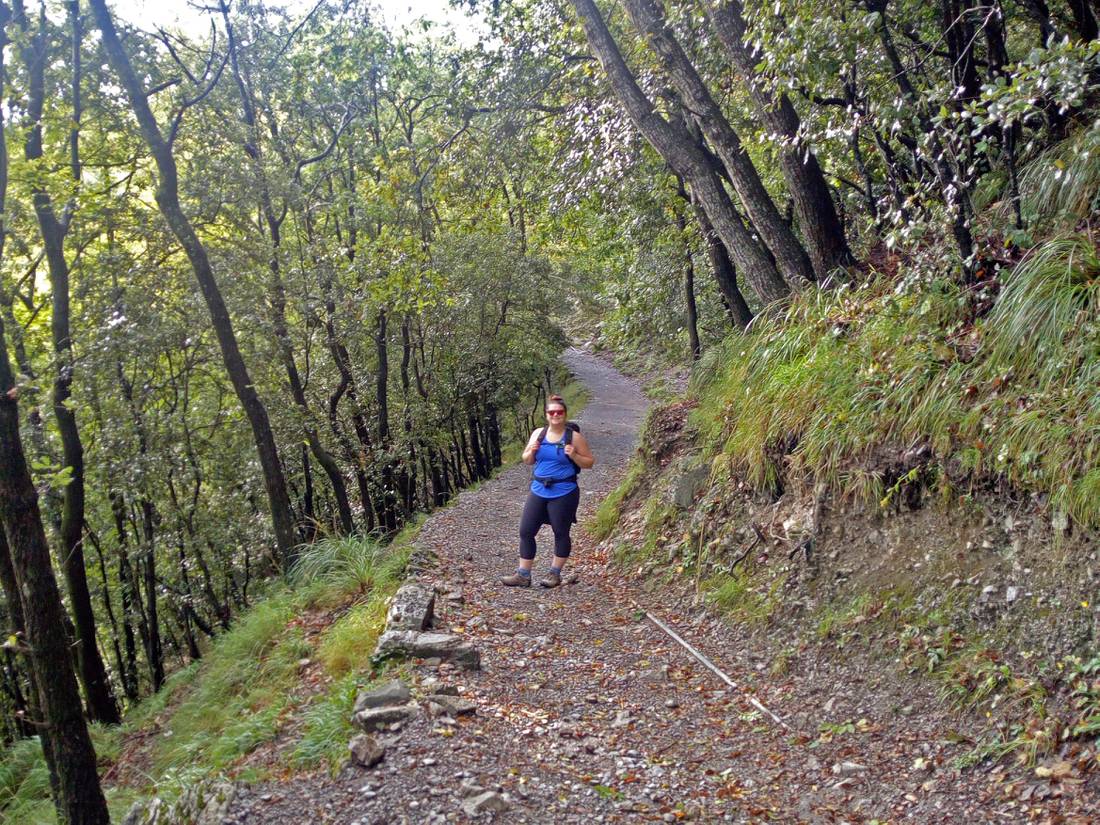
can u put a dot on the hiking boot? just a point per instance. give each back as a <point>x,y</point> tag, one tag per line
<point>551,579</point>
<point>515,580</point>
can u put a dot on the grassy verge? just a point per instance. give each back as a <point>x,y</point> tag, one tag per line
<point>607,515</point>
<point>874,389</point>
<point>24,781</point>
<point>212,714</point>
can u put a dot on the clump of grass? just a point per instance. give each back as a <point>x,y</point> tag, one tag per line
<point>1062,185</point>
<point>348,564</point>
<point>25,784</point>
<point>741,595</point>
<point>348,644</point>
<point>814,396</point>
<point>610,509</point>
<point>328,726</point>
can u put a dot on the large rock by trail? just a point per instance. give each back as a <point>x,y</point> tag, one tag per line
<point>412,608</point>
<point>373,719</point>
<point>445,646</point>
<point>394,692</point>
<point>365,751</point>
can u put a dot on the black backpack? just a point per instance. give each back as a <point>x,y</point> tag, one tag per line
<point>570,428</point>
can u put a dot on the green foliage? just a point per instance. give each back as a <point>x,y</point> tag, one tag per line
<point>607,514</point>
<point>848,374</point>
<point>327,726</point>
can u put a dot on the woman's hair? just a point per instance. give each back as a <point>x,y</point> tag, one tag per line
<point>557,399</point>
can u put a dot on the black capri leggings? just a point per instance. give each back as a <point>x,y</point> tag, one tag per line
<point>559,513</point>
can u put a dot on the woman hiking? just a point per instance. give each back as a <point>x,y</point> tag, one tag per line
<point>558,452</point>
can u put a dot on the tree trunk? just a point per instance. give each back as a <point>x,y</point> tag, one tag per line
<point>388,513</point>
<point>725,274</point>
<point>813,205</point>
<point>791,258</point>
<point>692,311</point>
<point>93,674</point>
<point>130,598</point>
<point>154,652</point>
<point>167,197</point>
<point>66,743</point>
<point>16,626</point>
<point>126,674</point>
<point>1084,20</point>
<point>679,150</point>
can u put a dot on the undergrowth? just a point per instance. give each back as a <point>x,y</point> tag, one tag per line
<point>818,395</point>
<point>24,780</point>
<point>607,515</point>
<point>930,638</point>
<point>212,713</point>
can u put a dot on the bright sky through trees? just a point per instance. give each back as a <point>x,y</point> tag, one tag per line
<point>194,18</point>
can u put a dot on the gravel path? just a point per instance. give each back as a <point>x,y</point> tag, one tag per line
<point>587,712</point>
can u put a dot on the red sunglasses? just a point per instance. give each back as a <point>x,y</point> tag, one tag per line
<point>555,412</point>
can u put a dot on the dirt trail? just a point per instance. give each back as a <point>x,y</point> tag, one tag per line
<point>589,713</point>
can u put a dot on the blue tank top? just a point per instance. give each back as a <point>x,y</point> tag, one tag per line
<point>552,462</point>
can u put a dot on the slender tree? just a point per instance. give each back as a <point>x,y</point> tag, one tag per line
<point>276,289</point>
<point>675,144</point>
<point>66,743</point>
<point>102,706</point>
<point>167,197</point>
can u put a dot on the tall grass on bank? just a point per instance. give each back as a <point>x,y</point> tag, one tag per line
<point>820,393</point>
<point>236,697</point>
<point>217,710</point>
<point>25,781</point>
<point>1060,186</point>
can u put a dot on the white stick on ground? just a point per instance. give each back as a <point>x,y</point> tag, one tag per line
<point>714,668</point>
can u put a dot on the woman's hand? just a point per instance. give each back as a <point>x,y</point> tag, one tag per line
<point>531,448</point>
<point>579,453</point>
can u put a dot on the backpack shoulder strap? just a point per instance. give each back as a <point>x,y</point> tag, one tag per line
<point>567,438</point>
<point>542,435</point>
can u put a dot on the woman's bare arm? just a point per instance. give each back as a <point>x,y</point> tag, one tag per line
<point>580,452</point>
